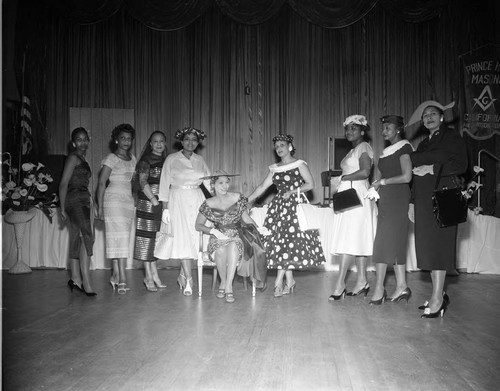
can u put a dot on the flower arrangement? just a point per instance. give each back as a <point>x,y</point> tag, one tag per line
<point>472,187</point>
<point>24,190</point>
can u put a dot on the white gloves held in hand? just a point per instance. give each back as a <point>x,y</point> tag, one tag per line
<point>165,216</point>
<point>411,212</point>
<point>218,234</point>
<point>264,231</point>
<point>423,170</point>
<point>372,194</point>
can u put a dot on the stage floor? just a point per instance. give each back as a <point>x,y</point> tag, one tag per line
<point>57,340</point>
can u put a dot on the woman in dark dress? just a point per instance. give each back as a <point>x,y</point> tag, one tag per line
<point>392,177</point>
<point>148,209</point>
<point>288,248</point>
<point>75,205</point>
<point>435,246</point>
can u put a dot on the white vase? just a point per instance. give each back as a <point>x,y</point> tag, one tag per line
<point>19,220</point>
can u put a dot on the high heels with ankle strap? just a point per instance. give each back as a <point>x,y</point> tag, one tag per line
<point>364,290</point>
<point>288,289</point>
<point>379,301</point>
<point>188,290</point>
<point>404,295</point>
<point>181,281</point>
<point>114,284</point>
<point>122,288</point>
<point>337,297</point>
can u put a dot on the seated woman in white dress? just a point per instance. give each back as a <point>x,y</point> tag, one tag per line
<point>226,210</point>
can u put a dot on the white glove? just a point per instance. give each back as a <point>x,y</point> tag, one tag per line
<point>218,234</point>
<point>335,183</point>
<point>411,213</point>
<point>372,194</point>
<point>423,170</point>
<point>264,231</point>
<point>165,216</point>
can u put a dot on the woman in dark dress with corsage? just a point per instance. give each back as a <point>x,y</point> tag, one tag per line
<point>435,247</point>
<point>76,207</point>
<point>226,210</point>
<point>392,177</point>
<point>146,183</point>
<point>288,248</point>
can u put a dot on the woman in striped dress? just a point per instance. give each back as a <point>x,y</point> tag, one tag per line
<point>149,209</point>
<point>116,204</point>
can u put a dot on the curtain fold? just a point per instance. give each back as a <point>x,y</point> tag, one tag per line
<point>246,12</point>
<point>333,13</point>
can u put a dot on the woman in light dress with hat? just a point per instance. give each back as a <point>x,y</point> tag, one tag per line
<point>181,196</point>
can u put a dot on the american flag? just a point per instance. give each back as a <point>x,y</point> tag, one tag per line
<point>26,135</point>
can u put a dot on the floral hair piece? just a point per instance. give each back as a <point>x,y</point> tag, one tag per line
<point>179,135</point>
<point>283,137</point>
<point>356,119</point>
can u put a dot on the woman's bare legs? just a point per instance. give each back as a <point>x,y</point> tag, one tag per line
<point>232,258</point>
<point>345,262</point>
<point>438,278</point>
<point>380,269</point>
<point>400,273</point>
<point>279,278</point>
<point>361,273</point>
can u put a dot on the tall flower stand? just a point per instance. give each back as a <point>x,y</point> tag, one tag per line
<point>19,220</point>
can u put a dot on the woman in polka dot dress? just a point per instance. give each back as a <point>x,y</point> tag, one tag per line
<point>288,248</point>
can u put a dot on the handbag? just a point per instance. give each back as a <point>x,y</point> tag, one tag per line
<point>304,212</point>
<point>449,205</point>
<point>345,200</point>
<point>163,242</point>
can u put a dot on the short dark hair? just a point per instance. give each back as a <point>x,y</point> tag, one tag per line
<point>125,128</point>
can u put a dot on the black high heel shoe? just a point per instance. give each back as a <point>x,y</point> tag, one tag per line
<point>88,293</point>
<point>72,285</point>
<point>379,301</point>
<point>440,312</point>
<point>364,290</point>
<point>405,295</point>
<point>337,297</point>
<point>446,298</point>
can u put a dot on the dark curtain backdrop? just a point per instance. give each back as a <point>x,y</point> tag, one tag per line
<point>303,76</point>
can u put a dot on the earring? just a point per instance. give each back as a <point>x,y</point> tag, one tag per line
<point>74,145</point>
<point>116,142</point>
<point>290,148</point>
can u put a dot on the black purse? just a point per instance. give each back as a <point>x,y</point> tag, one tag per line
<point>449,205</point>
<point>345,200</point>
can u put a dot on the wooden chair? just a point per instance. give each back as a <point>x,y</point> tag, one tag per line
<point>204,261</point>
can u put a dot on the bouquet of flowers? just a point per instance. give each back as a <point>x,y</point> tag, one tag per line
<point>472,187</point>
<point>27,189</point>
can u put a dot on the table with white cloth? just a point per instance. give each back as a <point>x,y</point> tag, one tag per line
<point>46,244</point>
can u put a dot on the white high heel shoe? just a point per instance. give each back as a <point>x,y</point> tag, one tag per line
<point>188,290</point>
